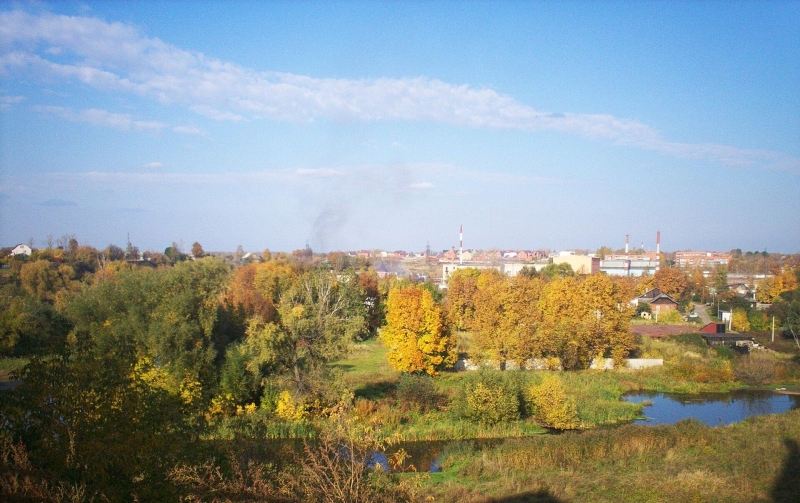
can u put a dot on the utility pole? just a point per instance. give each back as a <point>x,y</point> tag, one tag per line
<point>773,329</point>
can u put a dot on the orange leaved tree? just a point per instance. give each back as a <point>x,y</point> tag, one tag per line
<point>415,332</point>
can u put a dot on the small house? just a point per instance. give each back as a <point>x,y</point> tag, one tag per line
<point>21,249</point>
<point>658,300</point>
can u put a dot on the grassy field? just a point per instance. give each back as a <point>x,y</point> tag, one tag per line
<point>691,367</point>
<point>756,460</point>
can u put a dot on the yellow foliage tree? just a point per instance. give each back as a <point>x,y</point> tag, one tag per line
<point>770,289</point>
<point>584,318</point>
<point>460,301</point>
<point>506,320</point>
<point>415,332</point>
<point>551,405</point>
<point>739,321</point>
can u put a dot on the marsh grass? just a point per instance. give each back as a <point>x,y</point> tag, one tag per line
<point>685,462</point>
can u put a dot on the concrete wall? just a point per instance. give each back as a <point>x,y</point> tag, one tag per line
<point>540,364</point>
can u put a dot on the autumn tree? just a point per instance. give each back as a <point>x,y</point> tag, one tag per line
<point>769,290</point>
<point>671,281</point>
<point>506,320</point>
<point>197,250</point>
<point>373,301</point>
<point>739,320</point>
<point>584,319</point>
<point>415,332</point>
<point>245,298</point>
<point>459,302</point>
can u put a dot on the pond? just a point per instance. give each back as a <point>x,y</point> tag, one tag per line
<point>714,409</point>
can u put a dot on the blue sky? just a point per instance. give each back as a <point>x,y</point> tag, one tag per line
<point>354,125</point>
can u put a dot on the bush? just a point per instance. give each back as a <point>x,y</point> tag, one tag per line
<point>488,397</point>
<point>418,390</point>
<point>758,320</point>
<point>755,370</point>
<point>701,371</point>
<point>670,317</point>
<point>551,405</point>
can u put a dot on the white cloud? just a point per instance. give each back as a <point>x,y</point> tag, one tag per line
<point>7,101</point>
<point>191,130</point>
<point>102,118</point>
<point>117,57</point>
<point>421,185</point>
<point>153,165</point>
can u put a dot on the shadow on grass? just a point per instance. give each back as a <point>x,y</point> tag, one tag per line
<point>344,367</point>
<point>376,390</point>
<point>528,497</point>
<point>787,487</point>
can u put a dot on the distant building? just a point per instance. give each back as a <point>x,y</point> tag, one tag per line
<point>635,265</point>
<point>701,260</point>
<point>21,249</point>
<point>581,264</point>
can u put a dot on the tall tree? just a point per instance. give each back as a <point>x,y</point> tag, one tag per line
<point>506,321</point>
<point>671,281</point>
<point>415,332</point>
<point>318,317</point>
<point>197,250</point>
<point>459,302</point>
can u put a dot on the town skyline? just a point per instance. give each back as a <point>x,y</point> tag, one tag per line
<point>386,125</point>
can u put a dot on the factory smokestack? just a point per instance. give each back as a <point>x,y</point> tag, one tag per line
<point>658,242</point>
<point>460,244</point>
<point>626,244</point>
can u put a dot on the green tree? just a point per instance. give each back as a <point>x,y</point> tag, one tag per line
<point>28,326</point>
<point>720,278</point>
<point>488,397</point>
<point>562,270</point>
<point>320,316</point>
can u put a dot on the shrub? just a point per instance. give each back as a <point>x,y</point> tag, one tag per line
<point>701,371</point>
<point>755,370</point>
<point>551,405</point>
<point>669,317</point>
<point>758,320</point>
<point>418,390</point>
<point>290,409</point>
<point>488,397</point>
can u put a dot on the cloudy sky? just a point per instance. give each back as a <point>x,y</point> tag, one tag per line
<point>387,125</point>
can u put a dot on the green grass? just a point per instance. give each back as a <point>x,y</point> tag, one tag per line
<point>597,394</point>
<point>9,365</point>
<point>366,369</point>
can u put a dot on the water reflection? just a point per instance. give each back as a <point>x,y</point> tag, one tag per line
<point>714,409</point>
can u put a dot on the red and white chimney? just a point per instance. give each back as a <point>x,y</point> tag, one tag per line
<point>626,243</point>
<point>658,242</point>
